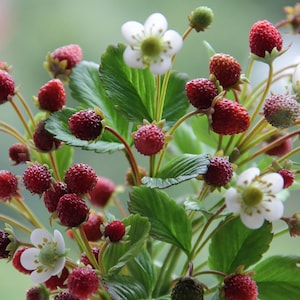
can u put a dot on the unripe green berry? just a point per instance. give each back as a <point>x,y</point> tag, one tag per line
<point>201,18</point>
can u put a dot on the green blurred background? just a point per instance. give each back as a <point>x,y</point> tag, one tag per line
<point>29,29</point>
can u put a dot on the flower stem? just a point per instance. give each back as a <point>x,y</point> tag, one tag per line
<point>15,223</point>
<point>26,107</point>
<point>12,132</point>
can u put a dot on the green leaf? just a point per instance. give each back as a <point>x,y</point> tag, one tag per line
<point>278,277</point>
<point>63,157</point>
<point>132,91</point>
<point>57,124</point>
<point>164,214</point>
<point>235,244</point>
<point>117,255</point>
<point>177,170</point>
<point>87,89</point>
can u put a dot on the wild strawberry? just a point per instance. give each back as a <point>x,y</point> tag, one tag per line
<point>149,139</point>
<point>43,140</point>
<point>17,263</point>
<point>91,227</point>
<point>53,194</point>
<point>37,178</point>
<point>201,18</point>
<point>219,171</point>
<point>7,86</point>
<point>19,153</point>
<point>72,210</point>
<point>281,111</point>
<point>57,281</point>
<point>229,118</point>
<point>84,259</point>
<point>201,92</point>
<point>288,177</point>
<point>66,295</point>
<point>283,148</point>
<point>226,69</point>
<point>83,282</point>
<point>264,37</point>
<point>240,286</point>
<point>37,293</point>
<point>85,124</point>
<point>4,242</point>
<point>52,95</point>
<point>115,230</point>
<point>80,178</point>
<point>187,288</point>
<point>72,54</point>
<point>102,191</point>
<point>8,185</point>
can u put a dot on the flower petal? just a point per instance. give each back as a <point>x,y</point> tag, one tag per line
<point>232,200</point>
<point>174,41</point>
<point>60,247</point>
<point>296,76</point>
<point>162,66</point>
<point>273,209</point>
<point>246,177</point>
<point>156,24</point>
<point>253,221</point>
<point>59,265</point>
<point>132,31</point>
<point>29,257</point>
<point>133,58</point>
<point>39,236</point>
<point>275,182</point>
<point>40,277</point>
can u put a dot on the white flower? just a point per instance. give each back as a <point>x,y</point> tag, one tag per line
<point>296,77</point>
<point>48,256</point>
<point>254,197</point>
<point>150,44</point>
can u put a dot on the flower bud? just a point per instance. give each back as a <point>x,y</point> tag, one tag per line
<point>201,18</point>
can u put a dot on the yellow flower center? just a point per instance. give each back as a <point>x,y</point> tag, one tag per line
<point>151,46</point>
<point>252,196</point>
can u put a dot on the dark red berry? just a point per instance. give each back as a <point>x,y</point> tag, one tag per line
<point>72,54</point>
<point>219,171</point>
<point>187,288</point>
<point>201,92</point>
<point>66,295</point>
<point>37,178</point>
<point>91,227</point>
<point>72,210</point>
<point>17,263</point>
<point>8,185</point>
<point>288,177</point>
<point>281,149</point>
<point>80,178</point>
<point>58,281</point>
<point>149,139</point>
<point>4,242</point>
<point>37,293</point>
<point>85,124</point>
<point>19,153</point>
<point>83,282</point>
<point>115,231</point>
<point>102,191</point>
<point>264,37</point>
<point>43,140</point>
<point>53,194</point>
<point>7,86</point>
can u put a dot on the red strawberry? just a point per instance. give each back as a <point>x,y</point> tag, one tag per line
<point>17,263</point>
<point>85,124</point>
<point>91,227</point>
<point>226,69</point>
<point>7,86</point>
<point>281,111</point>
<point>115,230</point>
<point>80,178</point>
<point>201,92</point>
<point>240,286</point>
<point>37,178</point>
<point>65,296</point>
<point>83,282</point>
<point>288,177</point>
<point>283,148</point>
<point>43,140</point>
<point>72,54</point>
<point>102,191</point>
<point>52,96</point>
<point>4,242</point>
<point>18,153</point>
<point>37,293</point>
<point>52,195</point>
<point>149,139</point>
<point>8,185</point>
<point>72,210</point>
<point>219,171</point>
<point>57,281</point>
<point>229,118</point>
<point>264,37</point>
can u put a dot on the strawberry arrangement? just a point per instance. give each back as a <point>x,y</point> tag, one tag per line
<point>226,148</point>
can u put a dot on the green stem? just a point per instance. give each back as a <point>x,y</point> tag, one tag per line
<point>15,223</point>
<point>248,72</point>
<point>157,97</point>
<point>12,132</point>
<point>54,166</point>
<point>26,107</point>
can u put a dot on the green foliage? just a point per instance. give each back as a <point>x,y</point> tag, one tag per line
<point>169,222</point>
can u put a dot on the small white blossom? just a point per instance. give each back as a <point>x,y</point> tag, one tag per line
<point>254,197</point>
<point>48,256</point>
<point>151,44</point>
<point>296,76</point>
